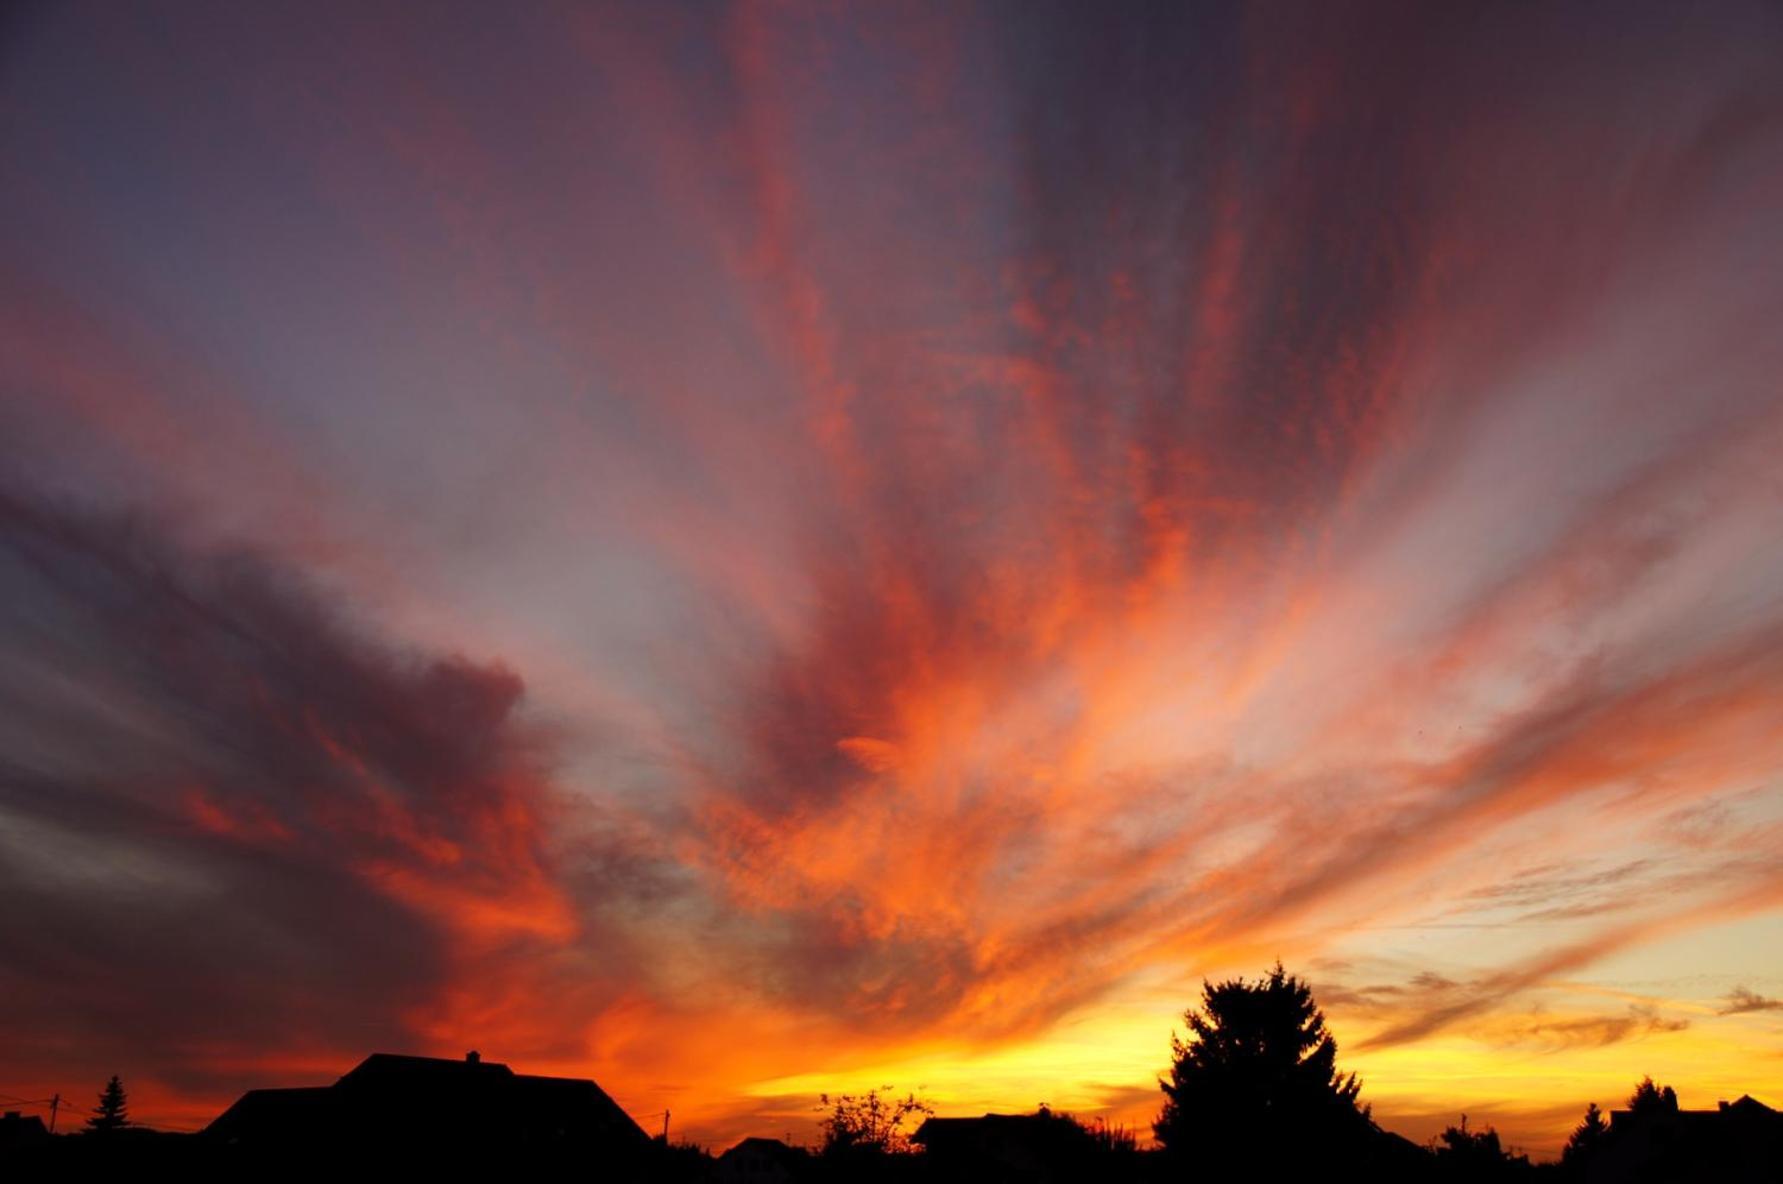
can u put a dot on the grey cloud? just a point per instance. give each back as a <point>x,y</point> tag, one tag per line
<point>1740,1001</point>
<point>210,779</point>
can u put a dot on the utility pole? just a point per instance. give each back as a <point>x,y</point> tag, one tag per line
<point>55,1104</point>
<point>665,1128</point>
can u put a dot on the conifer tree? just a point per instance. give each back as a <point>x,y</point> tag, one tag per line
<point>112,1113</point>
<point>1586,1138</point>
<point>1258,1073</point>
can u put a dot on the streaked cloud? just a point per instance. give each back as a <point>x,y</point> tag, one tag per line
<point>742,547</point>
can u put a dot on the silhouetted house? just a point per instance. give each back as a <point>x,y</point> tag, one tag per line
<point>426,1107</point>
<point>763,1161</point>
<point>1007,1148</point>
<point>22,1132</point>
<point>1734,1143</point>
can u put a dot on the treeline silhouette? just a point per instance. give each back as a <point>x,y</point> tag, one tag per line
<point>1253,1091</point>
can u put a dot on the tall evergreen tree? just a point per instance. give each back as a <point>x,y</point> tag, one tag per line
<point>1587,1138</point>
<point>1257,1082</point>
<point>112,1113</point>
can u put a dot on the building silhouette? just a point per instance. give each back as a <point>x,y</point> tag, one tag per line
<point>404,1107</point>
<point>755,1160</point>
<point>1735,1143</point>
<point>1007,1148</point>
<point>22,1132</point>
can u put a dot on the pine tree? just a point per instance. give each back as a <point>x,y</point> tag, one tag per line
<point>1586,1138</point>
<point>1258,1077</point>
<point>112,1113</point>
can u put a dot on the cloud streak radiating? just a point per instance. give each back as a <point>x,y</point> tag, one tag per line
<point>733,547</point>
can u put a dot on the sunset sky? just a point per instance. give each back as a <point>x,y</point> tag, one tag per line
<point>743,551</point>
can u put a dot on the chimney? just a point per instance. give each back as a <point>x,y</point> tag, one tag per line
<point>473,1056</point>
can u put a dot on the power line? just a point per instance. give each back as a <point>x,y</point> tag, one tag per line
<point>53,1104</point>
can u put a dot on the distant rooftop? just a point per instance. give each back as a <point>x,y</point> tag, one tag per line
<point>392,1101</point>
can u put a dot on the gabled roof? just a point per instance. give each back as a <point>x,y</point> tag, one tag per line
<point>388,1099</point>
<point>314,1100</point>
<point>17,1129</point>
<point>396,1067</point>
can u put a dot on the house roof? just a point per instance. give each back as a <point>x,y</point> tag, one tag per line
<point>1744,1109</point>
<point>950,1127</point>
<point>16,1128</point>
<point>391,1099</point>
<point>390,1066</point>
<point>775,1149</point>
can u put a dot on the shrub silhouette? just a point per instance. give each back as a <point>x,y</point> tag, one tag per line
<point>1477,1155</point>
<point>1650,1099</point>
<point>1257,1082</point>
<point>867,1124</point>
<point>1112,1138</point>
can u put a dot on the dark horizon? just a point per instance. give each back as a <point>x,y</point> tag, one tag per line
<point>226,1127</point>
<point>399,1108</point>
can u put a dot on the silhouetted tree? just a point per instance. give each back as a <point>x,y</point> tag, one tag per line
<point>1649,1099</point>
<point>1477,1155</point>
<point>112,1113</point>
<point>1257,1082</point>
<point>867,1124</point>
<point>1586,1140</point>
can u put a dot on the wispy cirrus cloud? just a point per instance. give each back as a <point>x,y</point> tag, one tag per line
<point>1556,1034</point>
